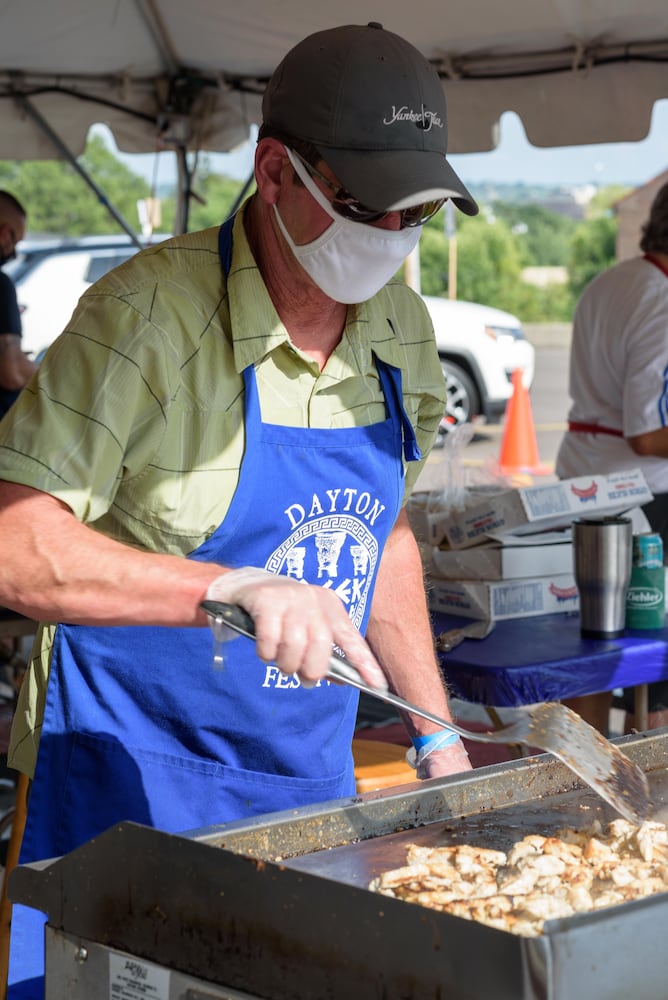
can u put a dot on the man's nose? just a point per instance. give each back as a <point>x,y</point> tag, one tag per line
<point>390,221</point>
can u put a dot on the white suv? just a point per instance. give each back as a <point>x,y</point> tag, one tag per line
<point>52,275</point>
<point>480,348</point>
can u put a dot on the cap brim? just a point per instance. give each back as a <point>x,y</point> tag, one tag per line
<point>393,179</point>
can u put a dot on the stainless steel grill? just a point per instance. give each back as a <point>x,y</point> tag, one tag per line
<point>278,907</point>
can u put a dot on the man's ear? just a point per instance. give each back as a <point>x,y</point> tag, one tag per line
<point>271,167</point>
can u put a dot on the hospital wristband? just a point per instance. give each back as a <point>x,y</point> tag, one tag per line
<point>419,742</point>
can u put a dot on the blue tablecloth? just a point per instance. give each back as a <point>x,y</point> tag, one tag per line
<point>528,660</point>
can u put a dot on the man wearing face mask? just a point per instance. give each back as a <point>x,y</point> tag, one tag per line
<point>237,414</point>
<point>15,367</point>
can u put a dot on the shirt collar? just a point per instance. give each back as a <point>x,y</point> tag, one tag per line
<point>256,327</point>
<point>258,330</point>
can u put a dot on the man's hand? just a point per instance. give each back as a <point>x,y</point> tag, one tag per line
<point>297,625</point>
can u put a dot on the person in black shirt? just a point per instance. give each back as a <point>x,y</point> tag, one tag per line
<point>15,367</point>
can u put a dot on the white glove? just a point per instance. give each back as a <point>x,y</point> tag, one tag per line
<point>297,625</point>
<point>452,760</point>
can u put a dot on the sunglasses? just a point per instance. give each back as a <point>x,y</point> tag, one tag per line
<point>348,207</point>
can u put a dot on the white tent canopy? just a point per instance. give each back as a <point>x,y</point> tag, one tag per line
<point>190,73</point>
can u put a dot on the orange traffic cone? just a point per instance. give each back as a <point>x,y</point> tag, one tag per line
<point>519,449</point>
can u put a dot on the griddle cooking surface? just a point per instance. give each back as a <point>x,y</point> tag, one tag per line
<point>358,863</point>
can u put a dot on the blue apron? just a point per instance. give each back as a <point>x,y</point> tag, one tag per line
<point>137,724</point>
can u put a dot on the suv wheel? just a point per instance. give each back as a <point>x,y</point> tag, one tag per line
<point>462,404</point>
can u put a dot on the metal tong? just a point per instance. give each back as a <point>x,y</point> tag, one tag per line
<point>548,726</point>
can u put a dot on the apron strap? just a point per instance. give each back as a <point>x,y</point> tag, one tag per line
<point>225,245</point>
<point>390,380</point>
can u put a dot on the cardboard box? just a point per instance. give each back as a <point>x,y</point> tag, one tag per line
<point>501,599</point>
<point>532,509</point>
<point>427,516</point>
<point>511,557</point>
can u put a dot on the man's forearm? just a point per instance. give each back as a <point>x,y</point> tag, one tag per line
<point>652,443</point>
<point>399,629</point>
<point>55,569</point>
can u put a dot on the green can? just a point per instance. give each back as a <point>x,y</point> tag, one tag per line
<point>646,598</point>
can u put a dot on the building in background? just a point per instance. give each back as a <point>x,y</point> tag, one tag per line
<point>632,212</point>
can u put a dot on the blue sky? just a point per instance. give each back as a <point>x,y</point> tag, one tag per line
<point>514,160</point>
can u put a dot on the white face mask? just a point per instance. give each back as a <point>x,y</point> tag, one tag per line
<point>350,261</point>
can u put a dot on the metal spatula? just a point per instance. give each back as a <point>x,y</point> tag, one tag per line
<point>548,726</point>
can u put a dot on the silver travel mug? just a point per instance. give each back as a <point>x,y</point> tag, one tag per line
<point>602,557</point>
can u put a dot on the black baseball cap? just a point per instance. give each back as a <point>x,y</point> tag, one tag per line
<point>374,108</point>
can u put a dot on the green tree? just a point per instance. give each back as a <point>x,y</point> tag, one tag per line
<point>605,199</point>
<point>593,250</point>
<point>434,260</point>
<point>553,303</point>
<point>490,258</point>
<point>58,201</point>
<point>488,261</point>
<point>544,236</point>
<point>215,197</point>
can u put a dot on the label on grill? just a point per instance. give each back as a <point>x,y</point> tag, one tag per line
<point>130,978</point>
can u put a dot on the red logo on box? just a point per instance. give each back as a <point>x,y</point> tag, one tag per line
<point>588,494</point>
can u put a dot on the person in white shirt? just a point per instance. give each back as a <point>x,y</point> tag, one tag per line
<point>619,391</point>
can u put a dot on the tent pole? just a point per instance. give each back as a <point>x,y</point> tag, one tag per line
<point>183,191</point>
<point>32,111</point>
